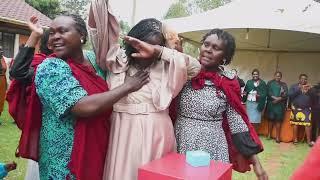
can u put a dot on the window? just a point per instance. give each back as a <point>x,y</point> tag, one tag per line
<point>7,43</point>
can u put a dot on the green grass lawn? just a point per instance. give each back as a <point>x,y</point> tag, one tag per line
<point>9,138</point>
<point>279,160</point>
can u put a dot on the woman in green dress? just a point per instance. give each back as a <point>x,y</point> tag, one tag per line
<point>277,101</point>
<point>255,93</point>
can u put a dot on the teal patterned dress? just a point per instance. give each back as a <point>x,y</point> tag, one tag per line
<point>58,91</point>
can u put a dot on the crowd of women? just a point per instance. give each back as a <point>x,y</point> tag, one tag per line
<point>102,114</point>
<point>274,99</point>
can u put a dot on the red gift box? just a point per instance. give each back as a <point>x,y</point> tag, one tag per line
<point>174,167</point>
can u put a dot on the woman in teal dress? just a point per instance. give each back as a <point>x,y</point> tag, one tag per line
<point>277,101</point>
<point>75,105</point>
<point>58,91</point>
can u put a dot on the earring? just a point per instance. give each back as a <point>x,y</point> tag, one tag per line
<point>82,41</point>
<point>224,62</point>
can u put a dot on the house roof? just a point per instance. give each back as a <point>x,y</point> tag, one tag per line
<point>19,12</point>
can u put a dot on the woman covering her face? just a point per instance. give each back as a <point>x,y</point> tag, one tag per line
<point>210,116</point>
<point>141,129</point>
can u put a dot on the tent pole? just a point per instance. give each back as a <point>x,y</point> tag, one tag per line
<point>133,16</point>
<point>269,37</point>
<point>277,63</point>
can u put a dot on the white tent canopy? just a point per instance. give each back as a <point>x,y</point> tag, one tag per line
<point>259,24</point>
<point>270,35</point>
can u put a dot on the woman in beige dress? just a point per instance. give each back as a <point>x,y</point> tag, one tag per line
<point>141,129</point>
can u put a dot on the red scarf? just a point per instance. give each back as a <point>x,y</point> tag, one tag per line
<point>91,134</point>
<point>231,89</point>
<point>25,109</point>
<point>310,168</point>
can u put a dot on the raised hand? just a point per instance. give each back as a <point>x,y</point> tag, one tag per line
<point>145,51</point>
<point>136,81</point>
<point>34,27</point>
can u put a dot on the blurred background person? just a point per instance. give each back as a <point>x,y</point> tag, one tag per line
<point>276,104</point>
<point>255,93</point>
<point>314,93</point>
<point>3,81</point>
<point>241,81</point>
<point>6,168</point>
<point>301,108</point>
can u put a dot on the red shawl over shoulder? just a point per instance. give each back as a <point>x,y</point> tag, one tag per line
<point>231,89</point>
<point>310,167</point>
<point>25,109</point>
<point>88,154</point>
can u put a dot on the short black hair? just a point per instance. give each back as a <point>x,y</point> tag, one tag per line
<point>255,70</point>
<point>228,39</point>
<point>303,75</point>
<point>278,72</point>
<point>80,24</point>
<point>44,43</point>
<point>144,30</point>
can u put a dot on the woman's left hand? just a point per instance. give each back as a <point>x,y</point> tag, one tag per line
<point>34,27</point>
<point>260,172</point>
<point>145,51</point>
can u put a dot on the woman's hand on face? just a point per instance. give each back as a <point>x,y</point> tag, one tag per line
<point>34,27</point>
<point>136,81</point>
<point>145,51</point>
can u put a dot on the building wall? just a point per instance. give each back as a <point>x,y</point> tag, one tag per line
<point>23,40</point>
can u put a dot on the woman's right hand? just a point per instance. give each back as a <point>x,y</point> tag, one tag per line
<point>277,100</point>
<point>34,27</point>
<point>136,81</point>
<point>145,50</point>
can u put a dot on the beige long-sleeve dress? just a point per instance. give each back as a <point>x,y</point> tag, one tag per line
<point>141,129</point>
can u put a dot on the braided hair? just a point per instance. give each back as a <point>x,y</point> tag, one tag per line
<point>80,25</point>
<point>228,39</point>
<point>144,30</point>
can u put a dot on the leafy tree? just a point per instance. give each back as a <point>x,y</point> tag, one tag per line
<point>76,7</point>
<point>178,9</point>
<point>205,5</point>
<point>184,8</point>
<point>49,8</point>
<point>125,28</point>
